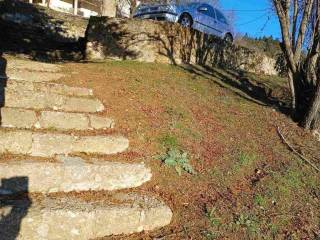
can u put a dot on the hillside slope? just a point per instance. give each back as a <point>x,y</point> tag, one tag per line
<point>247,185</point>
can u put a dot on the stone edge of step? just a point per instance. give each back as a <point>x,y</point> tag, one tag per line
<point>120,175</point>
<point>44,119</point>
<point>54,101</point>
<point>13,84</point>
<point>40,144</point>
<point>132,212</point>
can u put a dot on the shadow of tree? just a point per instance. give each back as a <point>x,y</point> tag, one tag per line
<point>31,30</point>
<point>13,207</point>
<point>3,82</point>
<point>130,39</point>
<point>146,40</point>
<point>153,41</point>
<point>243,85</point>
<point>179,45</point>
<point>110,39</point>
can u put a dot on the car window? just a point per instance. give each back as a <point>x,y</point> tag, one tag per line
<point>220,17</point>
<point>209,12</point>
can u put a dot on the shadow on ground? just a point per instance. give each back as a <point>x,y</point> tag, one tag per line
<point>29,29</point>
<point>3,81</point>
<point>14,205</point>
<point>241,84</point>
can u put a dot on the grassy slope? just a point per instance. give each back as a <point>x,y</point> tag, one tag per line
<point>248,184</point>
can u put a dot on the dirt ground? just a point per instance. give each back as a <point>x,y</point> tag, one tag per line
<point>247,183</point>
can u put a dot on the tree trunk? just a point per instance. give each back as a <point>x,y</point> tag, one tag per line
<point>133,6</point>
<point>292,91</point>
<point>109,8</point>
<point>75,7</point>
<point>312,120</point>
<point>298,20</point>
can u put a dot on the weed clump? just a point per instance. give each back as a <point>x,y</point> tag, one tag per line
<point>179,160</point>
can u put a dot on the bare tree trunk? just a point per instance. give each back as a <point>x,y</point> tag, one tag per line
<point>109,8</point>
<point>133,6</point>
<point>75,7</point>
<point>312,117</point>
<point>292,90</point>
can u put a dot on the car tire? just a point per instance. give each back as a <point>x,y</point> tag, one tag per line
<point>228,38</point>
<point>186,20</point>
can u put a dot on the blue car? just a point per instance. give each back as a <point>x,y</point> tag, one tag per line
<point>200,16</point>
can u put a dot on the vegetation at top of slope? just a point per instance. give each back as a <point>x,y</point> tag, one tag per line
<point>266,44</point>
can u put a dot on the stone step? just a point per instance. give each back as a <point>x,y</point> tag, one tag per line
<point>48,87</point>
<point>19,75</point>
<point>45,100</point>
<point>75,219</point>
<point>28,119</point>
<point>26,64</point>
<point>72,174</point>
<point>51,144</point>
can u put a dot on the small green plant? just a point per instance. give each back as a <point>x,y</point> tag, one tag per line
<point>211,215</point>
<point>169,141</point>
<point>175,112</point>
<point>248,222</point>
<point>179,160</point>
<point>215,223</point>
<point>245,159</point>
<point>260,200</point>
<point>211,235</point>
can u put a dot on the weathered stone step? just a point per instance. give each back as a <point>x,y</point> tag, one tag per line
<point>45,100</point>
<point>23,118</point>
<point>51,144</point>
<point>19,75</point>
<point>73,174</point>
<point>26,64</point>
<point>48,87</point>
<point>75,219</point>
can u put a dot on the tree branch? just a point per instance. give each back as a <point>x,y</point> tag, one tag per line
<point>294,21</point>
<point>303,28</point>
<point>285,29</point>
<point>295,151</point>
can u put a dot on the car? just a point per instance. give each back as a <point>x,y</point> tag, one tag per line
<point>200,16</point>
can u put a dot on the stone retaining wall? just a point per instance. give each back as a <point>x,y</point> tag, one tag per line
<point>152,41</point>
<point>40,32</point>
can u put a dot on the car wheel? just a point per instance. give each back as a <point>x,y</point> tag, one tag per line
<point>186,20</point>
<point>228,38</point>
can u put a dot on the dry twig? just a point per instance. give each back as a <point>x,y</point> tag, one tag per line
<point>295,151</point>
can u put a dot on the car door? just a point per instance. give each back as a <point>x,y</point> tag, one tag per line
<point>206,19</point>
<point>222,23</point>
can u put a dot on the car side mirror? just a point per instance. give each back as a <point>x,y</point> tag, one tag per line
<point>202,9</point>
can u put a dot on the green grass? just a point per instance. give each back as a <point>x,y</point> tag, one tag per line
<point>246,159</point>
<point>169,141</point>
<point>260,200</point>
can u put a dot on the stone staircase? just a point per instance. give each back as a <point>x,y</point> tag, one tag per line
<point>44,179</point>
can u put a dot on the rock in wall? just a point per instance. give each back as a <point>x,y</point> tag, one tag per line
<point>153,41</point>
